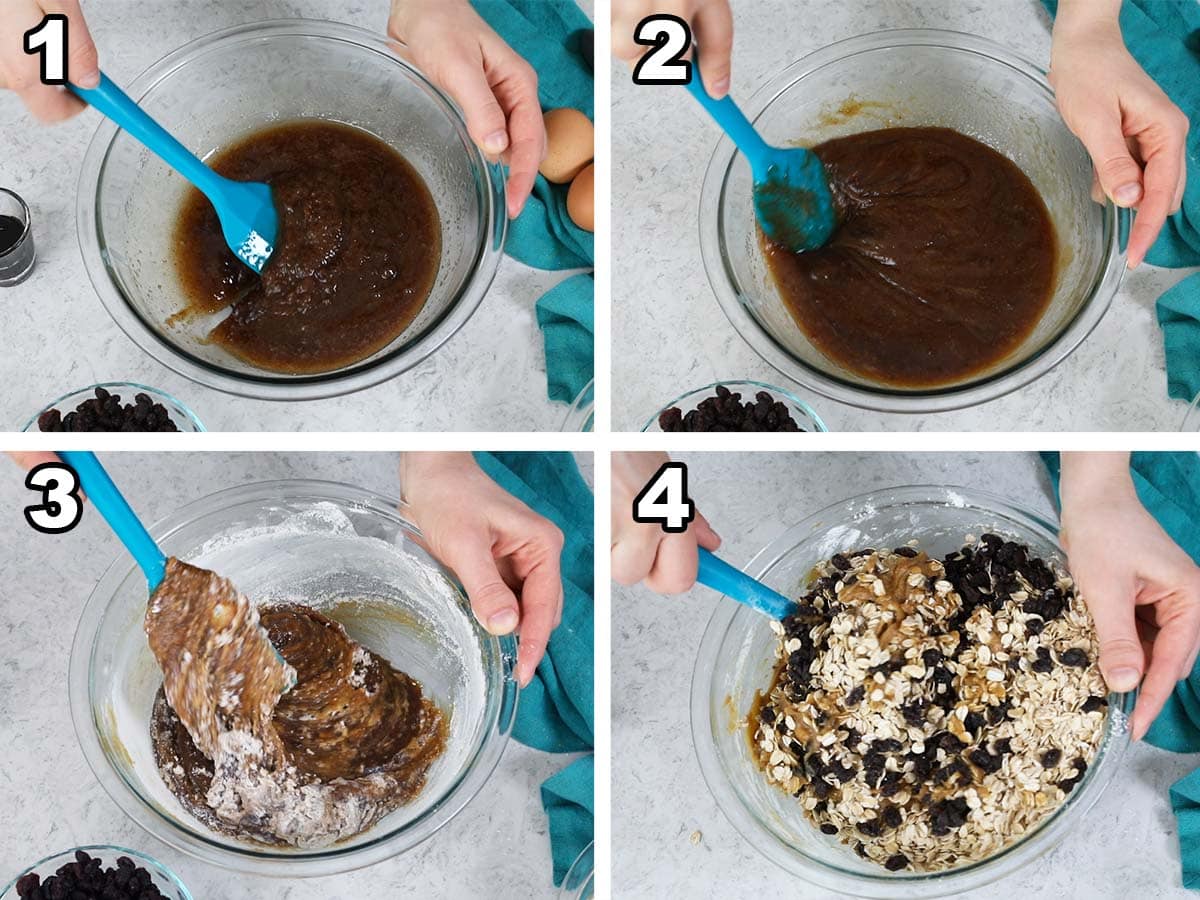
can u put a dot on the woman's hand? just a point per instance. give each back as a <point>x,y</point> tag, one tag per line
<point>506,555</point>
<point>1134,133</point>
<point>712,28</point>
<point>495,87</point>
<point>1142,590</point>
<point>642,552</point>
<point>21,72</point>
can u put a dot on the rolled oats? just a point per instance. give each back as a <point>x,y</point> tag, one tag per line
<point>930,712</point>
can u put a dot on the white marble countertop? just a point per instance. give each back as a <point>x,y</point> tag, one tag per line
<point>491,376</point>
<point>497,846</point>
<point>670,335</point>
<point>1126,848</point>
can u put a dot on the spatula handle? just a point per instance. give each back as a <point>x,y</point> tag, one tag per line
<point>113,102</point>
<point>105,497</point>
<point>721,576</point>
<point>732,121</point>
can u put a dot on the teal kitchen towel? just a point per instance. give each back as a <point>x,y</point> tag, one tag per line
<point>1164,37</point>
<point>556,712</point>
<point>1168,485</point>
<point>545,33</point>
<point>565,316</point>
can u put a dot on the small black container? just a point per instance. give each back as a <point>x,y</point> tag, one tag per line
<point>17,255</point>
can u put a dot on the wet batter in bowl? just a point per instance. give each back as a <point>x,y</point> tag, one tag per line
<point>304,747</point>
<point>357,255</point>
<point>942,264</point>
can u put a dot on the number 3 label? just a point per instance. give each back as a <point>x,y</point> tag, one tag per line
<point>49,38</point>
<point>664,500</point>
<point>671,37</point>
<point>61,507</point>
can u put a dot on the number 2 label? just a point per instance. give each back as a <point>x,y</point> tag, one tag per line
<point>664,500</point>
<point>671,37</point>
<point>49,39</point>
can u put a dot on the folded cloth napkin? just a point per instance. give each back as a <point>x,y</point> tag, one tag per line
<point>565,316</point>
<point>1164,37</point>
<point>545,33</point>
<point>1168,485</point>
<point>556,712</point>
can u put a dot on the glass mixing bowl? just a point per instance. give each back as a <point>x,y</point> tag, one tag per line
<point>803,414</point>
<point>580,881</point>
<point>164,879</point>
<point>582,414</point>
<point>737,659</point>
<point>354,555</point>
<point>214,91</point>
<point>911,78</point>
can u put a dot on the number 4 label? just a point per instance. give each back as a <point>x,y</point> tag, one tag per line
<point>49,39</point>
<point>664,500</point>
<point>671,37</point>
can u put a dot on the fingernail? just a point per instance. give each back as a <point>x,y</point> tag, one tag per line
<point>720,88</point>
<point>1127,194</point>
<point>90,80</point>
<point>1124,679</point>
<point>502,622</point>
<point>495,142</point>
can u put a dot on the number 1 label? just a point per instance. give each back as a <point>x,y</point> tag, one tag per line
<point>49,39</point>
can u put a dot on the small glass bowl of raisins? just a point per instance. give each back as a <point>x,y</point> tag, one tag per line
<point>736,406</point>
<point>93,869</point>
<point>115,406</point>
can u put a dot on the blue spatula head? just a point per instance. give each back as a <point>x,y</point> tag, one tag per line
<point>792,200</point>
<point>248,221</point>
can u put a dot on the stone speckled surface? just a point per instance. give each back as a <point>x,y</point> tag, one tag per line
<point>670,335</point>
<point>1127,846</point>
<point>496,847</point>
<point>488,377</point>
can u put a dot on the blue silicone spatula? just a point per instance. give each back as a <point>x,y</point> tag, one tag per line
<point>107,500</point>
<point>246,209</point>
<point>791,190</point>
<point>736,584</point>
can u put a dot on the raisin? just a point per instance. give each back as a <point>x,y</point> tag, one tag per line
<point>907,552</point>
<point>1094,703</point>
<point>892,817</point>
<point>855,696</point>
<point>896,862</point>
<point>1073,657</point>
<point>725,412</point>
<point>826,828</point>
<point>1051,758</point>
<point>1043,663</point>
<point>871,828</point>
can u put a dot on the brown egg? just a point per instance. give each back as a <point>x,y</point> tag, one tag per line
<point>581,199</point>
<point>570,144</point>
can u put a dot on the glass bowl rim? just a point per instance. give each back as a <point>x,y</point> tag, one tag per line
<point>583,408</point>
<point>787,394</point>
<point>264,385</point>
<point>886,885</point>
<point>160,867</point>
<point>179,405</point>
<point>1105,283</point>
<point>214,849</point>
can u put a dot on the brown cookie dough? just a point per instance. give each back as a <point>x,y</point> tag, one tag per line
<point>351,739</point>
<point>358,250</point>
<point>942,263</point>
